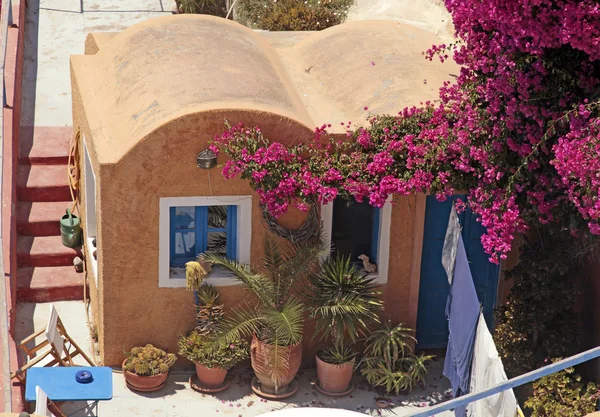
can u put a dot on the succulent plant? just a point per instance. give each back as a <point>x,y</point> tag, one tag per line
<point>210,310</point>
<point>149,361</point>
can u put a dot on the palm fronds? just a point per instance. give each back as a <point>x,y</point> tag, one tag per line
<point>345,300</point>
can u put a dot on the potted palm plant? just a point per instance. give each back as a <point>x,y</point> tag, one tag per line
<point>275,318</point>
<point>211,364</point>
<point>345,303</point>
<point>147,368</point>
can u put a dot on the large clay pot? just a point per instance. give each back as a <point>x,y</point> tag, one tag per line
<point>144,383</point>
<point>260,354</point>
<point>210,377</point>
<point>334,379</point>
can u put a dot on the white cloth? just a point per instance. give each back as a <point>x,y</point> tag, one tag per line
<point>487,371</point>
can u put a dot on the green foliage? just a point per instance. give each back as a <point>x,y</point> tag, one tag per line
<point>149,361</point>
<point>562,394</point>
<point>344,299</point>
<point>389,361</point>
<point>292,15</point>
<point>337,354</point>
<point>538,321</point>
<point>212,7</point>
<point>276,316</point>
<point>194,348</point>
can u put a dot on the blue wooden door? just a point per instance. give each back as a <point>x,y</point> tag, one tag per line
<point>432,326</point>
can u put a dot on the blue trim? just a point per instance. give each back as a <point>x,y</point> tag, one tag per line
<point>375,235</point>
<point>232,232</point>
<point>201,231</point>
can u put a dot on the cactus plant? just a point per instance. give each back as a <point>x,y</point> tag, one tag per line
<point>149,361</point>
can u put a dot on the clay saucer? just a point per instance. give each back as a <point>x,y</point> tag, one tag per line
<point>132,388</point>
<point>334,394</point>
<point>197,386</point>
<point>292,389</point>
<point>383,402</point>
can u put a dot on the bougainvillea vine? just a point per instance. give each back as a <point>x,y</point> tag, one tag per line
<point>519,129</point>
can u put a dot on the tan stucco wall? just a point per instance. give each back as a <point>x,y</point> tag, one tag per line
<point>143,141</point>
<point>133,309</point>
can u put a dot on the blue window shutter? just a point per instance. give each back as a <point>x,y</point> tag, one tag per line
<point>375,236</point>
<point>172,235</point>
<point>201,229</point>
<point>232,232</point>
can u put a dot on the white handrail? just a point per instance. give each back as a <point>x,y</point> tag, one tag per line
<point>5,21</point>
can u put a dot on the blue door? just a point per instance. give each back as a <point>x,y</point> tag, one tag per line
<point>432,326</point>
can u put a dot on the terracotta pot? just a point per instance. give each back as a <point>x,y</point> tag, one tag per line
<point>260,354</point>
<point>210,377</point>
<point>334,378</point>
<point>144,383</point>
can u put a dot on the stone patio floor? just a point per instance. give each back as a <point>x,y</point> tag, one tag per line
<point>177,399</point>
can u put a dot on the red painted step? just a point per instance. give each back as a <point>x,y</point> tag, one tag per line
<point>48,145</point>
<point>43,183</point>
<point>44,251</point>
<point>40,218</point>
<point>49,284</point>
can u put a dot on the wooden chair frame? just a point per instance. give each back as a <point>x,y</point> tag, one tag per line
<point>61,347</point>
<point>43,404</point>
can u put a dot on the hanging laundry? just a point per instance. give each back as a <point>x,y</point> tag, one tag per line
<point>462,312</point>
<point>487,371</point>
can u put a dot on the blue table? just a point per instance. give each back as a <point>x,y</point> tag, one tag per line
<point>60,385</point>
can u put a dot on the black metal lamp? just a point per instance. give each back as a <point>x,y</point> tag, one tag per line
<point>206,159</point>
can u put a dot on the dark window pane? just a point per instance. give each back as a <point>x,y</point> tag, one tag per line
<point>217,216</point>
<point>217,243</point>
<point>352,229</point>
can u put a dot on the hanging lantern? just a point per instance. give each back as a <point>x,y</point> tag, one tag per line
<point>206,159</point>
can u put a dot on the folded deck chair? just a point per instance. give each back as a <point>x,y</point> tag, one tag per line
<point>44,406</point>
<point>57,344</point>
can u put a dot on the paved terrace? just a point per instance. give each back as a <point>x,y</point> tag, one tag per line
<point>177,399</point>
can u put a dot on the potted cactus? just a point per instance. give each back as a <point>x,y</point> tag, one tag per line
<point>147,368</point>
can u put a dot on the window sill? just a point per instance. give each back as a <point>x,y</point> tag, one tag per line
<point>90,255</point>
<point>216,278</point>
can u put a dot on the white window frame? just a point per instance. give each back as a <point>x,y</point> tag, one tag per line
<point>218,278</point>
<point>89,178</point>
<point>383,246</point>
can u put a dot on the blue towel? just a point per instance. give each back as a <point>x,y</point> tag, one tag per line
<point>462,312</point>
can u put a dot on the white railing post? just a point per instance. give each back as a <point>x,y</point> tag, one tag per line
<point>511,383</point>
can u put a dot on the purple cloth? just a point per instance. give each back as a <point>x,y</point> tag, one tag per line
<point>462,312</point>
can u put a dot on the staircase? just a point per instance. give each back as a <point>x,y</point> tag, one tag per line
<point>45,266</point>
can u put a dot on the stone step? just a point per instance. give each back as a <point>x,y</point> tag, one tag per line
<point>46,145</point>
<point>49,284</point>
<point>43,183</point>
<point>44,251</point>
<point>40,218</point>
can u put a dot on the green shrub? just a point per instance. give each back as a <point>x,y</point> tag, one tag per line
<point>149,361</point>
<point>389,361</point>
<point>193,347</point>
<point>292,15</point>
<point>212,7</point>
<point>562,394</point>
<point>538,321</point>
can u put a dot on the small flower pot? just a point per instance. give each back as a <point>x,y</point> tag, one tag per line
<point>210,377</point>
<point>334,379</point>
<point>144,383</point>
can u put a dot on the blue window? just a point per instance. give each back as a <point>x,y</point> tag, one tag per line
<point>196,230</point>
<point>355,229</point>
